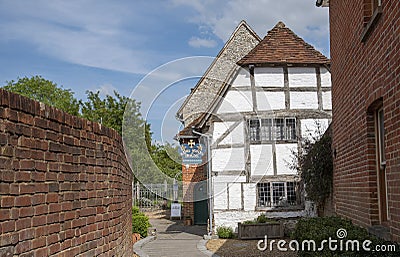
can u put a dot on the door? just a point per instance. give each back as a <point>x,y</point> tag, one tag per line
<point>200,203</point>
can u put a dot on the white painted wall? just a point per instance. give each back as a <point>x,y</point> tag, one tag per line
<point>327,100</point>
<point>235,196</point>
<point>236,136</point>
<point>228,159</point>
<point>284,157</point>
<point>229,179</point>
<point>242,78</point>
<point>303,100</point>
<point>268,77</point>
<point>236,101</point>
<point>325,78</point>
<point>261,160</point>
<point>309,127</point>
<point>302,77</point>
<point>270,101</point>
<point>249,196</point>
<point>219,129</point>
<point>220,196</point>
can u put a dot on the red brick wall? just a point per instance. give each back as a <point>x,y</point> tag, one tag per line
<point>362,73</point>
<point>191,175</point>
<point>65,185</point>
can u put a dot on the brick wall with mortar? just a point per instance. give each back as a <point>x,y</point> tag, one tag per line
<point>364,71</point>
<point>65,184</point>
<point>190,176</point>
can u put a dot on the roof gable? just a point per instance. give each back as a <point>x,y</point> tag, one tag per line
<point>282,45</point>
<point>242,40</point>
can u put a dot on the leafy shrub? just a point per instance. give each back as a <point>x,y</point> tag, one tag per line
<point>225,232</point>
<point>263,219</point>
<point>249,222</point>
<point>323,228</point>
<point>135,210</point>
<point>314,163</point>
<point>140,222</point>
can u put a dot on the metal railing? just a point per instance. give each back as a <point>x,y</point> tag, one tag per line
<point>155,196</point>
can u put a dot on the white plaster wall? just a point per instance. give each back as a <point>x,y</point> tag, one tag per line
<point>220,196</point>
<point>268,77</point>
<point>303,100</point>
<point>219,129</point>
<point>249,196</point>
<point>235,196</point>
<point>270,101</point>
<point>302,77</point>
<point>284,158</point>
<point>327,100</point>
<point>229,179</point>
<point>325,78</point>
<point>242,78</point>
<point>309,127</point>
<point>236,101</point>
<point>228,159</point>
<point>261,160</point>
<point>235,137</point>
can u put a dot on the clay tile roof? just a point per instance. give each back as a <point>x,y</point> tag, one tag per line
<point>281,45</point>
<point>188,130</point>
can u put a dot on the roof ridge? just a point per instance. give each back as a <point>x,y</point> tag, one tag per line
<point>282,45</point>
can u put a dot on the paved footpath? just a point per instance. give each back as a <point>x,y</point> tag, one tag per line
<point>174,240</point>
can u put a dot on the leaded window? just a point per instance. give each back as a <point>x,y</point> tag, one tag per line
<point>277,194</point>
<point>268,130</point>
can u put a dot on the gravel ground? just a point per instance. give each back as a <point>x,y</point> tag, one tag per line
<point>248,248</point>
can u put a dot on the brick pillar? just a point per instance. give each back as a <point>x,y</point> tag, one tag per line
<point>191,174</point>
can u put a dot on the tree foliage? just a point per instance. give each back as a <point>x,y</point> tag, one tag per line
<point>167,159</point>
<point>108,111</point>
<point>45,91</point>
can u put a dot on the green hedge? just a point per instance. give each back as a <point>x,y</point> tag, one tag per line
<point>140,222</point>
<point>323,228</point>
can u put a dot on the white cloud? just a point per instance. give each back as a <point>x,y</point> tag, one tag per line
<point>90,33</point>
<point>221,17</point>
<point>106,89</point>
<point>201,42</point>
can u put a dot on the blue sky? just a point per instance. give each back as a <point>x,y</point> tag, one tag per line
<point>112,45</point>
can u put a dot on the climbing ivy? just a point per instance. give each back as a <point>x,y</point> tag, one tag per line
<point>314,164</point>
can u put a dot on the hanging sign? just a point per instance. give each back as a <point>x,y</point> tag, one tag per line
<point>192,152</point>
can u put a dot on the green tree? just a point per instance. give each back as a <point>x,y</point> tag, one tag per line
<point>167,159</point>
<point>108,111</point>
<point>45,91</point>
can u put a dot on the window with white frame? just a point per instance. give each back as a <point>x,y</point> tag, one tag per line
<point>268,130</point>
<point>277,194</point>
